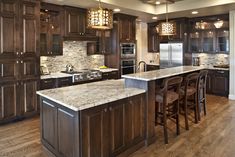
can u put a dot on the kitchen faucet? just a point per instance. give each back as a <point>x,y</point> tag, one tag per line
<point>145,66</point>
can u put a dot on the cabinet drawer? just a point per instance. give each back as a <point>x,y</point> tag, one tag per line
<point>110,75</point>
<point>47,84</point>
<point>62,82</point>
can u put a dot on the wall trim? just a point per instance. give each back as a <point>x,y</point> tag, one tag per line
<point>231,97</point>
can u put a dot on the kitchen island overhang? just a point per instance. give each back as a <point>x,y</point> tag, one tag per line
<point>96,119</point>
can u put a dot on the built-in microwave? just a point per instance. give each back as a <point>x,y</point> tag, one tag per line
<point>128,50</point>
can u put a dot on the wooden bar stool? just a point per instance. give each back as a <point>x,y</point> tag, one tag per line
<point>189,96</point>
<point>167,100</point>
<point>202,92</point>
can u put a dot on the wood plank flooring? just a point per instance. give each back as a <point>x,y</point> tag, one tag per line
<point>214,136</point>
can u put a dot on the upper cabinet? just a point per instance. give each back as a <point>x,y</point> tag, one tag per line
<point>205,37</point>
<point>51,29</point>
<point>154,38</point>
<point>76,24</point>
<point>126,27</point>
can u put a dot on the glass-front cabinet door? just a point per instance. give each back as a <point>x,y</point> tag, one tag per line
<point>222,41</point>
<point>208,41</point>
<point>195,42</point>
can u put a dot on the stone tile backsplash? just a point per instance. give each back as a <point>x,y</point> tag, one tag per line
<point>75,53</point>
<point>212,59</point>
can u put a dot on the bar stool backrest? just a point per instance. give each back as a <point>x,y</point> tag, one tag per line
<point>202,79</point>
<point>191,80</point>
<point>172,84</point>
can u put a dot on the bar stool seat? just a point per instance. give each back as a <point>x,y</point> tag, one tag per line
<point>171,97</point>
<point>190,91</point>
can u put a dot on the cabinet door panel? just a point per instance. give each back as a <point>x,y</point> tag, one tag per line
<point>117,127</point>
<point>66,133</point>
<point>73,23</point>
<point>8,70</point>
<point>220,85</point>
<point>49,123</point>
<point>30,13</point>
<point>8,101</point>
<point>8,30</point>
<point>95,132</point>
<point>27,97</point>
<point>29,68</point>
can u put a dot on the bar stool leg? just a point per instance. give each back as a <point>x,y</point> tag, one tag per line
<point>196,110</point>
<point>199,104</point>
<point>204,100</point>
<point>165,128</point>
<point>177,119</point>
<point>186,113</point>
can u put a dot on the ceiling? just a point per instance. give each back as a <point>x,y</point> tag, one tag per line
<point>145,11</point>
<point>153,2</point>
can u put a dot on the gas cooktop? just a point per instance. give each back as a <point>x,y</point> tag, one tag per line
<point>84,75</point>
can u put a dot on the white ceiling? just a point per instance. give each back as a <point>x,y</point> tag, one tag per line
<point>145,11</point>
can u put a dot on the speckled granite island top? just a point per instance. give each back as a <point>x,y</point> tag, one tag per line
<point>80,97</point>
<point>162,73</point>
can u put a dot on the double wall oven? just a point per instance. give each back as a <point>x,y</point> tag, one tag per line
<point>128,58</point>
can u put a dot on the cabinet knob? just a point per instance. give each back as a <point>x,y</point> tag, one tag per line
<point>110,108</point>
<point>21,53</point>
<point>105,110</point>
<point>17,53</point>
<point>21,62</point>
<point>17,62</point>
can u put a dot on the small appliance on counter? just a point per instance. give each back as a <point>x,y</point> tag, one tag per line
<point>69,68</point>
<point>196,61</point>
<point>44,70</point>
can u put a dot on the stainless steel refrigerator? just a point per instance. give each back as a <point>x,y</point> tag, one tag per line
<point>171,55</point>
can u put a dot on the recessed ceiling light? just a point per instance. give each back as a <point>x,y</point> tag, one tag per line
<point>158,2</point>
<point>154,17</point>
<point>194,12</point>
<point>116,10</point>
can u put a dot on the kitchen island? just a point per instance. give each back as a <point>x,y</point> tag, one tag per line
<point>149,81</point>
<point>91,120</point>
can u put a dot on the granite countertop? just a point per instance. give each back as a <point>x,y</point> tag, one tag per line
<point>55,75</point>
<point>162,73</point>
<point>214,68</point>
<point>155,64</point>
<point>80,97</point>
<point>106,70</point>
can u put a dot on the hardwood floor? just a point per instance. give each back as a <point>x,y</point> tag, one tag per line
<point>214,136</point>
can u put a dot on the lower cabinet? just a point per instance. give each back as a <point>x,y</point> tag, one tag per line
<point>218,82</point>
<point>152,67</point>
<point>110,75</point>
<point>103,131</point>
<point>113,128</point>
<point>18,100</point>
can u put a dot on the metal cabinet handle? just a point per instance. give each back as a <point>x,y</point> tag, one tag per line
<point>17,53</point>
<point>17,62</point>
<point>221,72</point>
<point>110,108</point>
<point>105,110</point>
<point>21,62</point>
<point>21,53</point>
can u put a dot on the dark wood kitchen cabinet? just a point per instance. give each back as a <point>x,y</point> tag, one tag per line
<point>76,24</point>
<point>8,104</point>
<point>19,57</point>
<point>110,75</point>
<point>126,27</point>
<point>218,82</point>
<point>153,38</point>
<point>116,127</point>
<point>51,29</point>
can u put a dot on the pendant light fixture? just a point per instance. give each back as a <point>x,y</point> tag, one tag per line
<point>219,23</point>
<point>100,18</point>
<point>167,28</point>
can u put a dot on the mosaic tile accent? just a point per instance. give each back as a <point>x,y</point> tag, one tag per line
<point>75,53</point>
<point>212,59</point>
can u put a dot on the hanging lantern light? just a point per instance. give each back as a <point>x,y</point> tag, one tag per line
<point>167,28</point>
<point>100,18</point>
<point>219,24</point>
